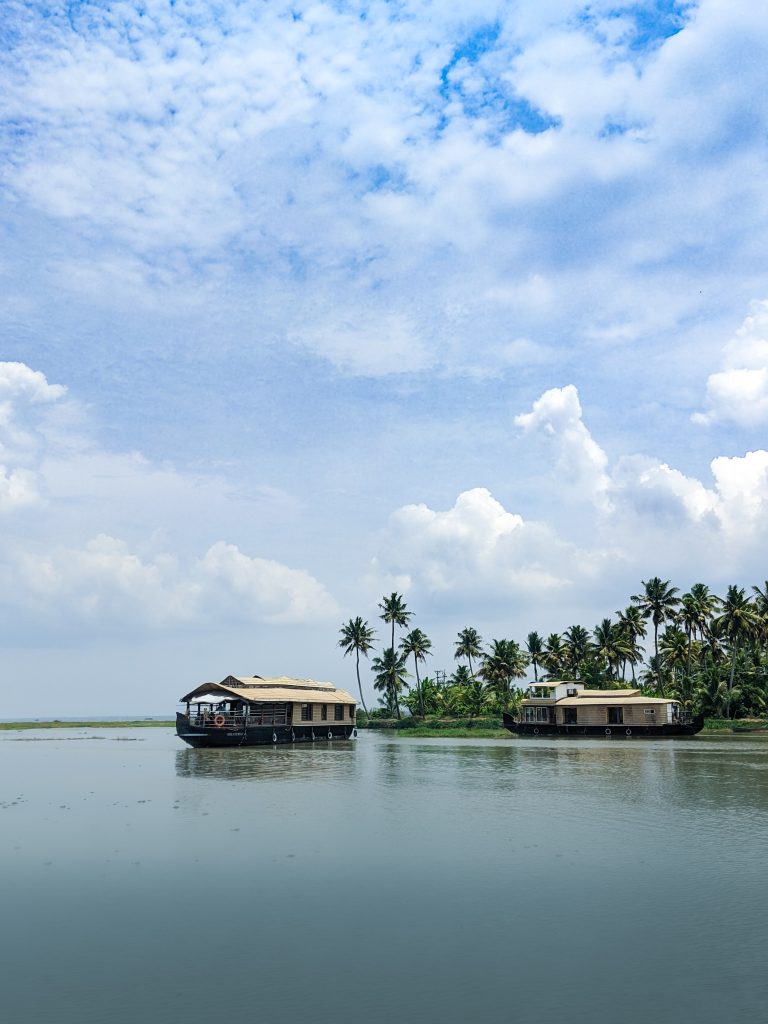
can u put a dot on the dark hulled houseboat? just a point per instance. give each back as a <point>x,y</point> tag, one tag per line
<point>247,711</point>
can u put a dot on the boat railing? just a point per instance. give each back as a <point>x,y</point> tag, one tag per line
<point>233,720</point>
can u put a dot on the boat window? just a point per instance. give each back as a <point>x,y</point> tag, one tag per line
<point>534,714</point>
<point>306,712</point>
<point>352,711</point>
<point>615,716</point>
<point>569,716</point>
<point>338,712</point>
<point>324,712</point>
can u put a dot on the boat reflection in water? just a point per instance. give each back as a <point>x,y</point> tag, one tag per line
<point>265,763</point>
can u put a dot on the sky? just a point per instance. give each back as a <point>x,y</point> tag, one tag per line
<point>305,303</point>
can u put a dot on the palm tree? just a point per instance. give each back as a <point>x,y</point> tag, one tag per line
<point>503,663</point>
<point>657,603</point>
<point>468,646</point>
<point>632,626</point>
<point>739,622</point>
<point>475,697</point>
<point>431,695</point>
<point>676,652</point>
<point>705,605</point>
<point>357,636</point>
<point>535,647</point>
<point>394,611</point>
<point>390,675</point>
<point>576,650</point>
<point>761,599</point>
<point>419,645</point>
<point>610,646</point>
<point>554,656</point>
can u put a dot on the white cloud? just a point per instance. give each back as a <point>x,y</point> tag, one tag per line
<point>25,401</point>
<point>477,549</point>
<point>579,460</point>
<point>57,574</point>
<point>739,392</point>
<point>646,515</point>
<point>309,157</point>
<point>107,586</point>
<point>373,344</point>
<point>17,380</point>
<point>262,589</point>
<point>18,487</point>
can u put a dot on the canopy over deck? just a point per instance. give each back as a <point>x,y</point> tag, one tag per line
<point>257,689</point>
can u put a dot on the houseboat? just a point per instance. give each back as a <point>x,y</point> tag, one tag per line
<point>247,711</point>
<point>562,708</point>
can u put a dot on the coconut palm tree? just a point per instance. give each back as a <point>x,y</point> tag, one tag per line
<point>705,606</point>
<point>632,626</point>
<point>739,622</point>
<point>675,651</point>
<point>610,646</point>
<point>390,675</point>
<point>535,647</point>
<point>461,677</point>
<point>657,602</point>
<point>419,645</point>
<point>357,636</point>
<point>475,697</point>
<point>554,656</point>
<point>503,663</point>
<point>468,646</point>
<point>431,695</point>
<point>576,640</point>
<point>395,612</point>
<point>761,599</point>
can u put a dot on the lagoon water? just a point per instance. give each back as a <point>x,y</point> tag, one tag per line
<point>390,879</point>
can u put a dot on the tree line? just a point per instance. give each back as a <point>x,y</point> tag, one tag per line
<point>708,652</point>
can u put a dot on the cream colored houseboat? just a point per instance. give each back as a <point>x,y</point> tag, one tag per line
<point>245,711</point>
<point>564,708</point>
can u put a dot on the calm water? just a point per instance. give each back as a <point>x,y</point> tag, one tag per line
<point>426,881</point>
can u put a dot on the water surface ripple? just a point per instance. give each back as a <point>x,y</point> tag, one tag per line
<point>426,881</point>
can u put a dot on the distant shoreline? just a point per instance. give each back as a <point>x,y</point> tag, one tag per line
<point>57,723</point>
<point>416,730</point>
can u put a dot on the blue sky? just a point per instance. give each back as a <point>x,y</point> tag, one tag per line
<point>303,303</point>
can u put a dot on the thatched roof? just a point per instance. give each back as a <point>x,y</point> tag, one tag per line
<point>278,689</point>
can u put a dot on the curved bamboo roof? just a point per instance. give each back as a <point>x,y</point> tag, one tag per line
<point>277,689</point>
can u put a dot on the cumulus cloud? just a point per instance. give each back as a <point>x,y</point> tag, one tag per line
<point>262,589</point>
<point>109,586</point>
<point>579,460</point>
<point>645,513</point>
<point>739,392</point>
<point>18,380</point>
<point>18,487</point>
<point>25,396</point>
<point>58,575</point>
<point>480,550</point>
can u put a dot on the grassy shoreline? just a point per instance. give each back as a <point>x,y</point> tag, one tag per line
<point>492,728</point>
<point>480,728</point>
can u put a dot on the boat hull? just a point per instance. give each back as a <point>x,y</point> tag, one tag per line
<point>259,735</point>
<point>611,732</point>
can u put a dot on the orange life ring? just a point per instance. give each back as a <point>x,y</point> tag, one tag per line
<point>219,720</point>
